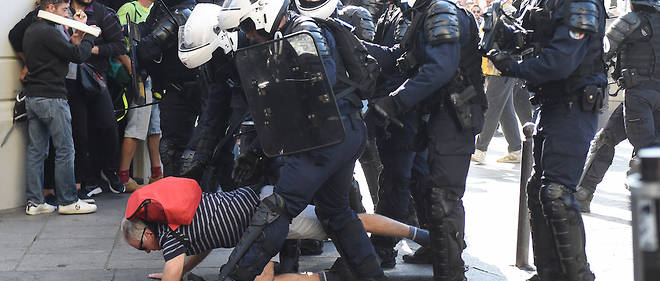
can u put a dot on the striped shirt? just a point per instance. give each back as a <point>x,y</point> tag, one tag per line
<point>219,222</point>
<point>111,42</point>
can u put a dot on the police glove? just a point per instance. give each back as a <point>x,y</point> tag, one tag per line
<point>387,108</point>
<point>502,60</point>
<point>246,166</point>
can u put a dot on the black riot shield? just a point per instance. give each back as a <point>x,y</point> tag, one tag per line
<point>289,95</point>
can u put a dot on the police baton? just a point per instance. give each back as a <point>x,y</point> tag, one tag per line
<point>137,106</point>
<point>522,243</point>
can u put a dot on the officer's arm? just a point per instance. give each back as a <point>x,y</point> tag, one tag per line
<point>557,60</point>
<point>173,268</point>
<point>162,36</point>
<point>568,46</point>
<point>440,65</point>
<point>385,56</point>
<point>441,53</point>
<point>619,30</point>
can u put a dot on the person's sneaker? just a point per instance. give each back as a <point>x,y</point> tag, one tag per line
<point>479,156</point>
<point>421,256</point>
<point>33,209</point>
<point>152,180</point>
<point>113,181</point>
<point>76,208</point>
<point>131,185</point>
<point>512,157</point>
<point>84,196</point>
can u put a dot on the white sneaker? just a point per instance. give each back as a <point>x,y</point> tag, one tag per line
<point>36,209</point>
<point>512,157</point>
<point>479,156</point>
<point>80,207</point>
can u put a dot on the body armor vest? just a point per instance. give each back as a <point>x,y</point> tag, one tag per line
<point>641,49</point>
<point>469,67</point>
<point>543,19</point>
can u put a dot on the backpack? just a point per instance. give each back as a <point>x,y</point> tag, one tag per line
<point>172,201</point>
<point>19,116</point>
<point>362,68</point>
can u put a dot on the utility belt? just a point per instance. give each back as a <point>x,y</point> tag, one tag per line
<point>162,88</point>
<point>590,98</point>
<point>457,102</point>
<point>630,79</point>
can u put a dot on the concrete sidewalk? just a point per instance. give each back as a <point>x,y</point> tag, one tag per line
<point>89,247</point>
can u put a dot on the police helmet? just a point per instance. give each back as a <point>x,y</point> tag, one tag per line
<point>201,36</point>
<point>250,15</point>
<point>321,9</point>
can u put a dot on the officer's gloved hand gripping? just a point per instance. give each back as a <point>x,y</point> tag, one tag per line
<point>502,60</point>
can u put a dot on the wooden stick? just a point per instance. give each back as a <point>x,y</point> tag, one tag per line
<point>69,22</point>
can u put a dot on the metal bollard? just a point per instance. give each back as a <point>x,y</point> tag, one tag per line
<point>645,199</point>
<point>522,244</point>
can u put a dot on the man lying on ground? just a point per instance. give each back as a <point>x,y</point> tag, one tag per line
<point>220,221</point>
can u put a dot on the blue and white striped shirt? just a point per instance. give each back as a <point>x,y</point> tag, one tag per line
<point>219,222</point>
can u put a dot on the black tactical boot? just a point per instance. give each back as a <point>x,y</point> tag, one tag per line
<point>545,257</point>
<point>421,256</point>
<point>387,257</point>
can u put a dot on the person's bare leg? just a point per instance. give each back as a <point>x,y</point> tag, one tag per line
<point>127,153</point>
<point>153,142</point>
<point>297,277</point>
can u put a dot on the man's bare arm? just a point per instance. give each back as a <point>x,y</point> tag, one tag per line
<point>174,268</point>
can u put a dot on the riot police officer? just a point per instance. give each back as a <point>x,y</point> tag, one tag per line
<point>157,53</point>
<point>394,143</point>
<point>441,65</point>
<point>322,173</point>
<point>566,74</point>
<point>635,47</point>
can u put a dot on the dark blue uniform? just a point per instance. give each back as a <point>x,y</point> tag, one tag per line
<point>567,78</point>
<point>321,175</point>
<point>157,52</point>
<point>395,145</point>
<point>436,53</point>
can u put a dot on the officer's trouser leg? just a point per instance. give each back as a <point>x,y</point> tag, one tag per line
<point>178,113</point>
<point>371,166</point>
<point>642,119</point>
<point>601,154</point>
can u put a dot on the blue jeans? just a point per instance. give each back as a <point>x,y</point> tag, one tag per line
<point>50,117</point>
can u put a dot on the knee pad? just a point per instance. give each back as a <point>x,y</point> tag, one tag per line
<point>446,224</point>
<point>602,138</point>
<point>270,210</point>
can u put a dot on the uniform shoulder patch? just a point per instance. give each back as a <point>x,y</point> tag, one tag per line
<point>441,23</point>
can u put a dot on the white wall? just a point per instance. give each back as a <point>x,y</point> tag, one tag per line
<point>12,154</point>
